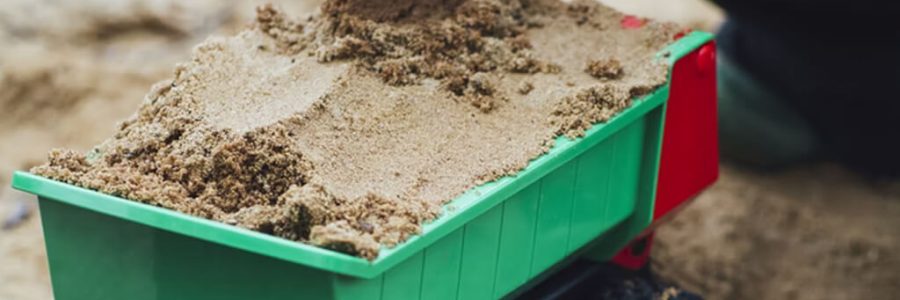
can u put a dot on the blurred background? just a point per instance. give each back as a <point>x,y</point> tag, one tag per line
<point>69,71</point>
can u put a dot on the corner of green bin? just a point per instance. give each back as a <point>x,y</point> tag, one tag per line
<point>684,45</point>
<point>24,181</point>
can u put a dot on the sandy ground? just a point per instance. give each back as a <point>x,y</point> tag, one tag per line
<point>812,233</point>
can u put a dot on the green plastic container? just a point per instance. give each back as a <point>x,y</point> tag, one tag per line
<point>594,193</point>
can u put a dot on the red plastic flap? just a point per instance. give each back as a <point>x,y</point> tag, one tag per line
<point>689,161</point>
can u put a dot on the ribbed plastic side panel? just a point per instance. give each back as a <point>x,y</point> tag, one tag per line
<point>405,280</point>
<point>523,236</point>
<point>480,245</point>
<point>626,170</point>
<point>516,239</point>
<point>554,218</point>
<point>347,287</point>
<point>442,267</point>
<point>150,263</point>
<point>489,257</point>
<point>592,184</point>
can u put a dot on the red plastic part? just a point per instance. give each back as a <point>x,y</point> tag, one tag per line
<point>631,22</point>
<point>636,255</point>
<point>682,33</point>
<point>689,161</point>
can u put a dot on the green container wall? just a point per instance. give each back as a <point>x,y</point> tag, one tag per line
<point>593,194</point>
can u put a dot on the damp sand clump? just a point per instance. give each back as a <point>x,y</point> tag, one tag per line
<point>350,129</point>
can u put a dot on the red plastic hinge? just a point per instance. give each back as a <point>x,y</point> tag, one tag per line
<point>636,254</point>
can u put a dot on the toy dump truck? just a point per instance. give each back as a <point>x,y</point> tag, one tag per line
<point>586,197</point>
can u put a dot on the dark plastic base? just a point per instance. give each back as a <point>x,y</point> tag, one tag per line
<point>585,279</point>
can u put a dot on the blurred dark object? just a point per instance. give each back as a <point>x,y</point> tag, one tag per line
<point>586,279</point>
<point>18,215</point>
<point>834,68</point>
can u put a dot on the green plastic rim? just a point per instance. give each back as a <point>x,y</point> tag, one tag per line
<point>457,213</point>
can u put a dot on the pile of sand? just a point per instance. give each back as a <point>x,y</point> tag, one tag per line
<point>350,129</point>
